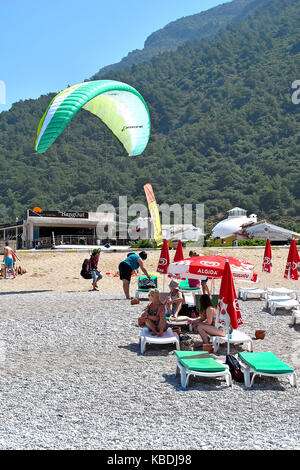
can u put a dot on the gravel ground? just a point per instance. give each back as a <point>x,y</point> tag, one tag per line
<point>72,378</point>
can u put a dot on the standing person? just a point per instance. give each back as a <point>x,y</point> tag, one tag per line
<point>96,275</point>
<point>193,282</point>
<point>8,259</point>
<point>131,263</point>
<point>196,282</point>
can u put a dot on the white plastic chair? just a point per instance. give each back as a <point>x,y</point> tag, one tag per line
<point>236,337</point>
<point>168,337</point>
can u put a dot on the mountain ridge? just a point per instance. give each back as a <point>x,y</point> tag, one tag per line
<point>188,28</point>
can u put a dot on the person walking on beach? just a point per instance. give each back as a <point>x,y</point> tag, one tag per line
<point>8,259</point>
<point>131,263</point>
<point>96,275</point>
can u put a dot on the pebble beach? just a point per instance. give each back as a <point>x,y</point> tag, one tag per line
<point>72,376</point>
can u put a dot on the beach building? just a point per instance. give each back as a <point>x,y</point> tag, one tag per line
<point>44,229</point>
<point>183,232</point>
<point>238,226</point>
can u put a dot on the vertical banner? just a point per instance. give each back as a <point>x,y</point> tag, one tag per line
<point>154,213</point>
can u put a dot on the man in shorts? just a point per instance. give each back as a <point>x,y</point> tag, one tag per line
<point>8,259</point>
<point>131,263</point>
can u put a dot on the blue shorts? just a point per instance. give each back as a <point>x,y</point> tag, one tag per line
<point>9,262</point>
<point>96,275</point>
<point>204,281</point>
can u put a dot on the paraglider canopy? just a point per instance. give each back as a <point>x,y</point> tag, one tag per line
<point>118,105</point>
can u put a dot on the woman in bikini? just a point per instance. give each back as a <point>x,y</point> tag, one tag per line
<point>154,314</point>
<point>205,324</point>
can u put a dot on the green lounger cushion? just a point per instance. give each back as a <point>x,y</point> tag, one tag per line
<point>265,362</point>
<point>185,286</point>
<point>207,364</point>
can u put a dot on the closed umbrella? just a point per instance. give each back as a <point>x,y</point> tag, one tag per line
<point>164,261</point>
<point>267,261</point>
<point>179,253</point>
<point>228,311</point>
<point>293,263</point>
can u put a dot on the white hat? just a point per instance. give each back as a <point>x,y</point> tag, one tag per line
<point>174,284</point>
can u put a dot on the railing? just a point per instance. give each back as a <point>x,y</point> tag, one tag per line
<point>47,242</point>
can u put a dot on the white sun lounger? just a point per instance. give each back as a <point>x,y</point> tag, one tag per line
<point>168,337</point>
<point>190,363</point>
<point>281,302</point>
<point>295,316</point>
<point>265,364</point>
<point>271,298</point>
<point>282,291</point>
<point>236,337</point>
<point>253,292</point>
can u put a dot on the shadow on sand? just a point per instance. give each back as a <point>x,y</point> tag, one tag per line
<point>24,292</point>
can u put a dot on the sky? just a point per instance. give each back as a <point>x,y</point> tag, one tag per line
<point>46,45</point>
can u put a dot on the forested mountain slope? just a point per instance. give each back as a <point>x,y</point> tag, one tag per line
<point>224,131</point>
<point>189,28</point>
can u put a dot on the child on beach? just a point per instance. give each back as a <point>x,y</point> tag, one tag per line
<point>96,275</point>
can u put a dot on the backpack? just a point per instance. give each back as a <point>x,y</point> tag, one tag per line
<point>146,283</point>
<point>85,269</point>
<point>235,368</point>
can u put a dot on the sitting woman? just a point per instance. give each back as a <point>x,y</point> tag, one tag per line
<point>205,324</point>
<point>154,314</point>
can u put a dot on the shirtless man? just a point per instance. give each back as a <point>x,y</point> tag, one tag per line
<point>8,259</point>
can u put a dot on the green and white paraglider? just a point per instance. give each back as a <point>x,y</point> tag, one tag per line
<point>118,105</point>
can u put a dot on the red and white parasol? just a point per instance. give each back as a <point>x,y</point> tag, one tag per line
<point>164,259</point>
<point>228,311</point>
<point>179,253</point>
<point>201,267</point>
<point>293,263</point>
<point>267,261</point>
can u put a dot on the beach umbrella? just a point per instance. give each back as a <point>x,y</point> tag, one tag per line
<point>267,261</point>
<point>179,253</point>
<point>164,261</point>
<point>293,263</point>
<point>228,311</point>
<point>201,267</point>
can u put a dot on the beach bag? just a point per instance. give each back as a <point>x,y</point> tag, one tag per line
<point>186,343</point>
<point>146,283</point>
<point>85,269</point>
<point>235,368</point>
